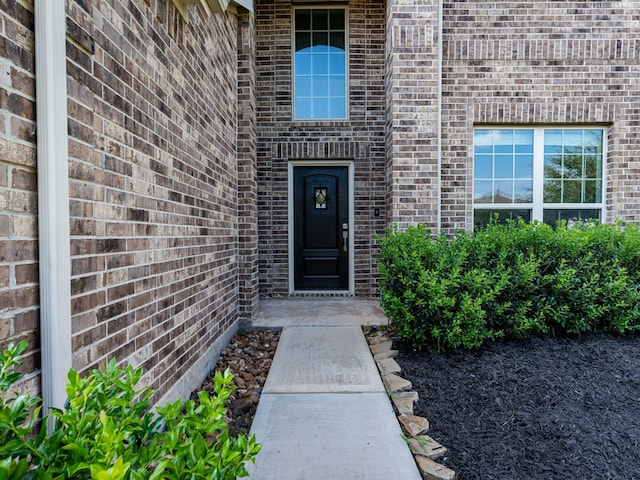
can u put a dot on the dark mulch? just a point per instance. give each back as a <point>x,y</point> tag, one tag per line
<point>542,408</point>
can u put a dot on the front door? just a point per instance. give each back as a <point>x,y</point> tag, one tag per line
<point>321,228</point>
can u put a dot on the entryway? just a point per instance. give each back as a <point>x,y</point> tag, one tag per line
<point>320,227</point>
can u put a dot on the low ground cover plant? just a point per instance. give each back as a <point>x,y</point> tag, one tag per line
<point>509,281</point>
<point>108,431</point>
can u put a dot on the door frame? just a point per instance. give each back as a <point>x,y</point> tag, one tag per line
<point>291,231</point>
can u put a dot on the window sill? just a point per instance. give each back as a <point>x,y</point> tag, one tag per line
<point>319,123</point>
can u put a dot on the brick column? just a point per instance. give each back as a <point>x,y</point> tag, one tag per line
<point>412,112</point>
<point>247,168</point>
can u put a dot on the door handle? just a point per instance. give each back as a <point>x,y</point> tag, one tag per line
<point>345,237</point>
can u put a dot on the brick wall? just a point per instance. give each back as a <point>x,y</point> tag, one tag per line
<point>412,112</point>
<point>18,199</point>
<point>247,171</point>
<point>360,139</point>
<point>154,183</point>
<point>551,62</point>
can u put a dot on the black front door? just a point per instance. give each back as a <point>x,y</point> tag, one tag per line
<point>321,228</point>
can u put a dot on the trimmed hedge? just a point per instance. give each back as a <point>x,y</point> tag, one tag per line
<point>509,281</point>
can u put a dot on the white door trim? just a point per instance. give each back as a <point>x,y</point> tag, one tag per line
<point>321,163</point>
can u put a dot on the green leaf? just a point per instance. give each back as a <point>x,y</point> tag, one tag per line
<point>117,471</point>
<point>159,470</point>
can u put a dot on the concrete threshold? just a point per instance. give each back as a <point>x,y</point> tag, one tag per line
<point>320,312</point>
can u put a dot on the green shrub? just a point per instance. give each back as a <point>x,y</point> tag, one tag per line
<point>510,280</point>
<point>107,431</point>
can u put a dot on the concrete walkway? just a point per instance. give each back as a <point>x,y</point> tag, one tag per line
<point>324,413</point>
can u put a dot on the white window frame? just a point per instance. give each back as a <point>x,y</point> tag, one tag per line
<point>538,206</point>
<point>293,61</point>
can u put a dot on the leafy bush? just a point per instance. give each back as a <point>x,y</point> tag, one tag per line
<point>107,431</point>
<point>510,280</point>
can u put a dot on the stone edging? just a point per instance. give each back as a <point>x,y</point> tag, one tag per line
<point>425,449</point>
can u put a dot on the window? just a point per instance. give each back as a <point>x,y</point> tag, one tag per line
<point>538,174</point>
<point>320,64</point>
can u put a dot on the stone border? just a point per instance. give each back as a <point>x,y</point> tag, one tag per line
<point>425,449</point>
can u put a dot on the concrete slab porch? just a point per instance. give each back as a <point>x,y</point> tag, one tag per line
<point>318,312</point>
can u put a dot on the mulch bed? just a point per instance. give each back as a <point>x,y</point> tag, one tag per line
<point>541,408</point>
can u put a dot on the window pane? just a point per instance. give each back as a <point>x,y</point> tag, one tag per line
<point>337,40</point>
<point>503,148</point>
<point>593,140</point>
<point>303,20</point>
<point>336,19</point>
<point>483,138</point>
<point>320,87</point>
<point>483,191</point>
<point>303,86</point>
<point>523,141</point>
<point>524,166</point>
<point>503,166</point>
<point>338,108</point>
<point>320,19</point>
<point>303,64</point>
<point>320,108</point>
<point>320,42</point>
<point>572,166</point>
<point>336,86</point>
<point>319,64</point>
<point>523,191</point>
<point>303,108</point>
<point>593,166</point>
<point>478,149</point>
<point>573,139</point>
<point>552,139</point>
<point>336,63</point>
<point>571,191</point>
<point>482,217</point>
<point>552,216</point>
<point>503,191</point>
<point>552,149</point>
<point>592,191</point>
<point>552,191</point>
<point>483,166</point>
<point>504,140</point>
<point>303,40</point>
<point>553,166</point>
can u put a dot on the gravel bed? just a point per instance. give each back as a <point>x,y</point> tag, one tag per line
<point>249,356</point>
